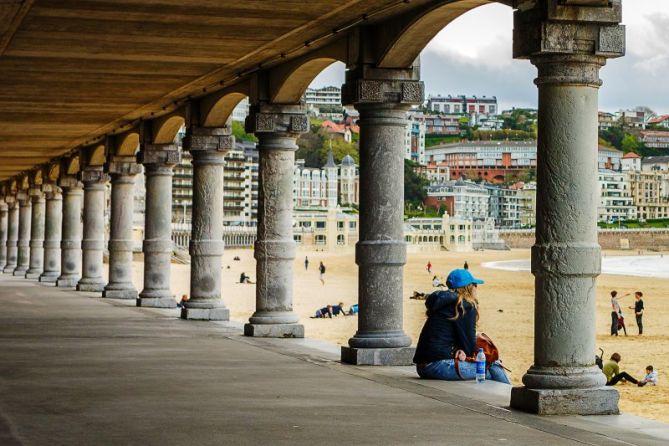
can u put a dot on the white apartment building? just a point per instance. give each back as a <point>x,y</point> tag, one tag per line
<point>414,140</point>
<point>655,164</point>
<point>615,202</point>
<point>650,194</point>
<point>466,105</point>
<point>326,187</point>
<point>609,158</point>
<point>462,199</point>
<point>630,161</point>
<point>241,111</point>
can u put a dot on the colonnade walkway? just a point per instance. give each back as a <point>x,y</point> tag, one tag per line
<point>77,369</point>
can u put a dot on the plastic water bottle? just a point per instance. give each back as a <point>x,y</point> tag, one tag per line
<point>480,367</point>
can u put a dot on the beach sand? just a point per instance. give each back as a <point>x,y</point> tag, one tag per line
<point>508,291</point>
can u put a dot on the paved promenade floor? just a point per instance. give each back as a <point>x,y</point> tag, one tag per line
<point>76,369</point>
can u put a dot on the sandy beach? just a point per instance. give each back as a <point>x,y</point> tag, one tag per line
<point>506,302</point>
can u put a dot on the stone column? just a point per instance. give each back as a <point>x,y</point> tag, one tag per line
<point>93,243</point>
<point>158,160</point>
<point>4,218</point>
<point>277,128</point>
<point>53,231</point>
<point>36,234</point>
<point>120,284</point>
<point>566,257</point>
<point>208,147</point>
<point>23,254</point>
<point>383,98</point>
<point>12,233</point>
<point>70,245</point>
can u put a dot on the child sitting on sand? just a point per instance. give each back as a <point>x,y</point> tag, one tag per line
<point>650,378</point>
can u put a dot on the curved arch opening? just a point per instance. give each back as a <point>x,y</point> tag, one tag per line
<point>166,131</point>
<point>293,86</point>
<point>97,156</point>
<point>127,144</point>
<point>216,113</point>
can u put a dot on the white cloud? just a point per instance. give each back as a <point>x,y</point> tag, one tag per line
<point>472,55</point>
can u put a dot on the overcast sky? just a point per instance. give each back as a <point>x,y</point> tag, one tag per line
<point>462,59</point>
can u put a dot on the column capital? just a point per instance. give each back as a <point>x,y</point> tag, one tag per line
<point>277,118</point>
<point>4,207</point>
<point>200,140</point>
<point>51,190</point>
<point>369,85</point>
<point>36,193</point>
<point>22,197</point>
<point>120,167</point>
<point>93,176</point>
<point>69,182</point>
<point>167,155</point>
<point>552,30</point>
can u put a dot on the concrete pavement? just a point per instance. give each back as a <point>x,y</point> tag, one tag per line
<point>77,369</point>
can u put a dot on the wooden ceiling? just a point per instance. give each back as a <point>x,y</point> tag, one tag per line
<point>73,70</point>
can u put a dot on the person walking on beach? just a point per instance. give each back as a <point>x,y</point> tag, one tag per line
<point>321,271</point>
<point>613,374</point>
<point>429,266</point>
<point>306,263</point>
<point>466,265</point>
<point>638,310</point>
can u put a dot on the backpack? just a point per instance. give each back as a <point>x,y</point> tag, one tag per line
<point>599,360</point>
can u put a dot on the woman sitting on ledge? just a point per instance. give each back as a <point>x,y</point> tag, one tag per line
<point>449,334</point>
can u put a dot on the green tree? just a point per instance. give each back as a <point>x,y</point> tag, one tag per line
<point>630,143</point>
<point>340,149</point>
<point>240,134</point>
<point>309,148</point>
<point>414,185</point>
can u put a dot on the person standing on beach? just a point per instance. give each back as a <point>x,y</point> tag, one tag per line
<point>306,263</point>
<point>615,312</point>
<point>429,266</point>
<point>466,265</point>
<point>321,270</point>
<point>638,310</point>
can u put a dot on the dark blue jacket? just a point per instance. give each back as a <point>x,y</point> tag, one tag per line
<point>441,336</point>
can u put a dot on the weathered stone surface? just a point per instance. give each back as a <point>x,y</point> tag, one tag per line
<point>206,314</point>
<point>274,330</point>
<point>4,220</point>
<point>157,246</point>
<point>597,401</point>
<point>37,234</point>
<point>275,247</point>
<point>23,242</point>
<point>70,245</point>
<point>12,233</point>
<point>53,232</point>
<point>94,229</point>
<point>381,250</point>
<point>120,284</point>
<point>208,147</point>
<point>378,356</point>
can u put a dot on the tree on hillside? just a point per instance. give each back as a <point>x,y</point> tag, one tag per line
<point>414,184</point>
<point>240,134</point>
<point>630,143</point>
<point>340,149</point>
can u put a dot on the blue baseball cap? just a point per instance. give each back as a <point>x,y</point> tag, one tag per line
<point>459,278</point>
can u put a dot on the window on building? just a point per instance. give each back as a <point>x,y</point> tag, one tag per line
<point>320,225</point>
<point>351,225</point>
<point>297,238</point>
<point>340,239</point>
<point>340,225</point>
<point>320,239</point>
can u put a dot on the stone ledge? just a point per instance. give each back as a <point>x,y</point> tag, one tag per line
<point>120,294</point>
<point>599,401</point>
<point>274,330</point>
<point>92,287</point>
<point>48,279</point>
<point>157,302</point>
<point>377,356</point>
<point>33,275</point>
<point>205,314</point>
<point>67,282</point>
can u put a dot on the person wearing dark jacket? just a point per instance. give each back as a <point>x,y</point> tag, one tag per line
<point>449,333</point>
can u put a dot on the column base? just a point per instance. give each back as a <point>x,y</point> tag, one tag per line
<point>157,302</point>
<point>20,271</point>
<point>49,278</point>
<point>129,293</point>
<point>377,356</point>
<point>206,314</point>
<point>33,274</point>
<point>274,330</point>
<point>67,282</point>
<point>9,269</point>
<point>90,286</point>
<point>598,401</point>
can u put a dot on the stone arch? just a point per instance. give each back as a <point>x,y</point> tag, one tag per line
<point>72,165</point>
<point>97,155</point>
<point>53,172</point>
<point>289,81</point>
<point>127,144</point>
<point>417,30</point>
<point>216,108</point>
<point>37,177</point>
<point>166,128</point>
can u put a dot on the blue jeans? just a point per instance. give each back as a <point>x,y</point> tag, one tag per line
<point>445,369</point>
